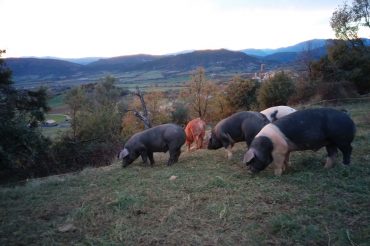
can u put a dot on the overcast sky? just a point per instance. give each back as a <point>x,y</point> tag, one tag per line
<point>87,28</point>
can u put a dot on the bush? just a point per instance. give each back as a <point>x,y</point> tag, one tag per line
<point>95,137</point>
<point>334,90</point>
<point>72,155</point>
<point>275,91</point>
<point>24,152</point>
<point>241,93</point>
<point>305,90</point>
<point>180,114</point>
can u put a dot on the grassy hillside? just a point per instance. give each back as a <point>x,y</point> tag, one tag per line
<point>212,201</point>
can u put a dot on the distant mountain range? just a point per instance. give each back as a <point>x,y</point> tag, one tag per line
<point>27,71</point>
<point>311,44</point>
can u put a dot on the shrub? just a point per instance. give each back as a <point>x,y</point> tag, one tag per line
<point>305,90</point>
<point>180,114</point>
<point>275,91</point>
<point>95,137</point>
<point>241,93</point>
<point>24,152</point>
<point>334,90</point>
<point>72,155</point>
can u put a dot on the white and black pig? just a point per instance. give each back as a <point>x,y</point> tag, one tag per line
<point>241,126</point>
<point>277,112</point>
<point>162,138</point>
<point>309,129</point>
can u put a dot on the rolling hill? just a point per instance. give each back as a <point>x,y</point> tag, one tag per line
<point>41,67</point>
<point>313,44</point>
<point>27,70</point>
<point>134,68</point>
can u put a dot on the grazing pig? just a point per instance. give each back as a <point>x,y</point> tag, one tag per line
<point>195,131</point>
<point>242,126</point>
<point>309,129</point>
<point>275,113</point>
<point>162,138</point>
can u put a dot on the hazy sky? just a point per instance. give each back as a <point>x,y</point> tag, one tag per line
<point>86,28</point>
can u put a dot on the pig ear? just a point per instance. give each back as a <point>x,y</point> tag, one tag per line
<point>249,156</point>
<point>123,153</point>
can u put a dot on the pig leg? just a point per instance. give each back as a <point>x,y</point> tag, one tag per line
<point>144,157</point>
<point>188,144</point>
<point>151,159</point>
<point>196,140</point>
<point>286,161</point>
<point>332,154</point>
<point>279,163</point>
<point>346,150</point>
<point>201,139</point>
<point>174,156</point>
<point>178,153</point>
<point>229,153</point>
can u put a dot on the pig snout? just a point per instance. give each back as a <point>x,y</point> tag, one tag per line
<point>252,169</point>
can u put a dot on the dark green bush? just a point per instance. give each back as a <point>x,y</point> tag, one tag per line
<point>275,91</point>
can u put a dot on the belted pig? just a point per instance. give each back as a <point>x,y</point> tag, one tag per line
<point>195,131</point>
<point>241,126</point>
<point>276,112</point>
<point>309,129</point>
<point>162,138</point>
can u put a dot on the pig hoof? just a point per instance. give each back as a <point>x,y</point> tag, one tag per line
<point>278,172</point>
<point>329,163</point>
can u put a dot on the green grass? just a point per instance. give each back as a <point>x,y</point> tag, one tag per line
<point>57,117</point>
<point>56,101</point>
<point>212,201</point>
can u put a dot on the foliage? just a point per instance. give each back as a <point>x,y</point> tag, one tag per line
<point>23,150</point>
<point>347,19</point>
<point>275,91</point>
<point>198,93</point>
<point>347,59</point>
<point>96,127</point>
<point>241,93</point>
<point>180,114</point>
<point>130,125</point>
<point>158,106</point>
<point>344,63</point>
<point>219,106</point>
<point>305,90</point>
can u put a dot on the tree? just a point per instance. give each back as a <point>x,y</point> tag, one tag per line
<point>75,99</point>
<point>199,93</point>
<point>158,107</point>
<point>142,115</point>
<point>276,91</point>
<point>180,113</point>
<point>347,64</point>
<point>95,137</point>
<point>241,93</point>
<point>23,150</point>
<point>346,20</point>
<point>306,57</point>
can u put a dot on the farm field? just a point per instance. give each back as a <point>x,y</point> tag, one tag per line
<point>212,201</point>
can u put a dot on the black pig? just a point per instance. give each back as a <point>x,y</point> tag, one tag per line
<point>162,138</point>
<point>309,129</point>
<point>241,126</point>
